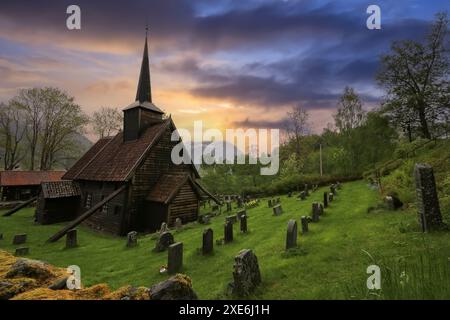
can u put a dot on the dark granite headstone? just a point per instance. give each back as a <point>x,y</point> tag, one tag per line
<point>228,232</point>
<point>71,239</point>
<point>304,221</point>
<point>175,258</point>
<point>22,251</point>
<point>325,199</point>
<point>243,224</point>
<point>178,224</point>
<point>429,211</point>
<point>277,210</point>
<point>208,242</point>
<point>315,212</point>
<point>20,238</point>
<point>291,235</point>
<point>164,241</point>
<point>132,239</point>
<point>241,213</point>
<point>289,194</point>
<point>246,274</point>
<point>330,197</point>
<point>306,189</point>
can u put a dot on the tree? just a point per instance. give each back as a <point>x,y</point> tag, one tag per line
<point>30,101</point>
<point>349,114</point>
<point>62,120</point>
<point>106,122</point>
<point>298,126</point>
<point>415,76</point>
<point>12,129</point>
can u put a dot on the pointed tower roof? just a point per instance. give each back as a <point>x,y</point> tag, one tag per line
<point>144,91</point>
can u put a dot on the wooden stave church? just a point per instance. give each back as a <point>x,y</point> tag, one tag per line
<point>136,166</point>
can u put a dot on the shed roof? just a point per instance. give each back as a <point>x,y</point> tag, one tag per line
<point>28,178</point>
<point>168,186</point>
<point>60,189</point>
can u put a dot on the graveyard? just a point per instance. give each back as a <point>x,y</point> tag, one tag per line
<point>328,260</point>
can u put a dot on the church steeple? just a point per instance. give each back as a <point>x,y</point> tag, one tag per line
<point>144,90</point>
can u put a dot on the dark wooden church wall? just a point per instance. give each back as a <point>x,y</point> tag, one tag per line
<point>110,220</point>
<point>184,206</point>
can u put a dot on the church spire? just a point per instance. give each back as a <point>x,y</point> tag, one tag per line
<point>144,90</point>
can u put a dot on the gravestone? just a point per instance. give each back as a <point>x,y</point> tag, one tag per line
<point>20,238</point>
<point>164,228</point>
<point>71,239</point>
<point>338,185</point>
<point>164,241</point>
<point>304,221</point>
<point>429,211</point>
<point>269,203</point>
<point>325,199</point>
<point>333,189</point>
<point>175,258</point>
<point>241,213</point>
<point>239,202</point>
<point>277,210</point>
<point>243,224</point>
<point>306,190</point>
<point>289,194</point>
<point>228,232</point>
<point>330,197</point>
<point>229,208</point>
<point>208,241</point>
<point>246,274</point>
<point>389,201</point>
<point>232,219</point>
<point>22,251</point>
<point>291,235</point>
<point>178,224</point>
<point>315,209</point>
<point>132,239</point>
<point>302,195</point>
<point>315,212</point>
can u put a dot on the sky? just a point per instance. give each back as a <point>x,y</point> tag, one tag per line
<point>230,63</point>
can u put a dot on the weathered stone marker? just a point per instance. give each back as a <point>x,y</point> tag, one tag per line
<point>333,189</point>
<point>20,238</point>
<point>178,224</point>
<point>277,210</point>
<point>71,239</point>
<point>302,195</point>
<point>291,235</point>
<point>232,219</point>
<point>22,251</point>
<point>243,224</point>
<point>208,242</point>
<point>132,239</point>
<point>315,212</point>
<point>289,194</point>
<point>246,274</point>
<point>269,203</point>
<point>175,258</point>
<point>330,197</point>
<point>228,232</point>
<point>304,221</point>
<point>164,228</point>
<point>325,199</point>
<point>429,211</point>
<point>240,213</point>
<point>164,241</point>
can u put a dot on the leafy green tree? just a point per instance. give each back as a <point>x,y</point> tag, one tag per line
<point>415,76</point>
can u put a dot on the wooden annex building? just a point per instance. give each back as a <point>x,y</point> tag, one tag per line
<point>128,182</point>
<point>24,185</point>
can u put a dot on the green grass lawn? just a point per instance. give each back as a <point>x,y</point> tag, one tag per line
<point>329,263</point>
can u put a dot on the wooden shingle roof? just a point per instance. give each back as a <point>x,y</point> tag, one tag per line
<point>168,186</point>
<point>112,159</point>
<point>28,178</point>
<point>60,189</point>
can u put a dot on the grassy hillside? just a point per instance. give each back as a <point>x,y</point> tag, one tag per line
<point>330,262</point>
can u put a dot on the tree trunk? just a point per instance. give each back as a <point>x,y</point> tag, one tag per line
<point>423,123</point>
